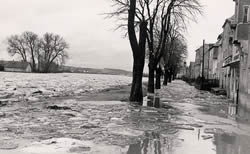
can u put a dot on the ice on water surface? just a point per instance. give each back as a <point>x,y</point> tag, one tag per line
<point>26,84</point>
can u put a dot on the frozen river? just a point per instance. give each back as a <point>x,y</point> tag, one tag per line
<point>26,84</point>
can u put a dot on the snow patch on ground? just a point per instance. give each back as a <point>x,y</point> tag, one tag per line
<point>67,146</point>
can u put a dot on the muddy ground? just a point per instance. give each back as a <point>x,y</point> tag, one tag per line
<point>114,93</point>
<point>189,121</point>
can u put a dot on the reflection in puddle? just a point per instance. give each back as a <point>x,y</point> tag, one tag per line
<point>154,143</point>
<point>232,110</point>
<point>150,100</point>
<point>244,114</point>
<point>186,142</point>
<point>190,142</point>
<point>225,110</point>
<point>153,100</point>
<point>232,144</point>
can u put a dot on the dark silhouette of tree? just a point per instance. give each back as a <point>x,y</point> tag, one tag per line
<point>138,50</point>
<point>174,35</point>
<point>177,56</point>
<point>32,44</point>
<point>41,53</point>
<point>53,50</point>
<point>170,12</point>
<point>128,10</point>
<point>158,15</point>
<point>16,46</point>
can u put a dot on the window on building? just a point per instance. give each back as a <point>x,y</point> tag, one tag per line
<point>246,17</point>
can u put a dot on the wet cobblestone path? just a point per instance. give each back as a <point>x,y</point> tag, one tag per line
<point>189,122</point>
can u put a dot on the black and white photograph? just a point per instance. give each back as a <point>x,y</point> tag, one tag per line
<point>124,76</point>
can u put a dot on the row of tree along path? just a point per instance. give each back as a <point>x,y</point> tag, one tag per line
<point>155,29</point>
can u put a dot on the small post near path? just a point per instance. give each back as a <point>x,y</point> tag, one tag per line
<point>203,57</point>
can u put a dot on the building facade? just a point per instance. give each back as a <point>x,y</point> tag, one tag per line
<point>240,76</point>
<point>199,61</point>
<point>192,70</point>
<point>17,66</point>
<point>228,60</point>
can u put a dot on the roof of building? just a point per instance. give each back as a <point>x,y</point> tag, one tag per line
<point>207,46</point>
<point>17,64</point>
<point>220,36</point>
<point>2,62</point>
<point>229,20</point>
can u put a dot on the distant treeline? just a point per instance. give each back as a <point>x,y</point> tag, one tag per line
<point>71,69</point>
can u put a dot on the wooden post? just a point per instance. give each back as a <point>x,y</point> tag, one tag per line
<point>203,57</point>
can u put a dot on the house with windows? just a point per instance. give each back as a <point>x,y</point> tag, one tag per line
<point>228,60</point>
<point>207,61</point>
<point>199,61</point>
<point>240,56</point>
<point>220,60</point>
<point>230,66</point>
<point>212,62</point>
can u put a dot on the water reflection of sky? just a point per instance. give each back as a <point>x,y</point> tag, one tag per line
<point>191,142</point>
<point>154,143</point>
<point>186,142</point>
<point>232,144</point>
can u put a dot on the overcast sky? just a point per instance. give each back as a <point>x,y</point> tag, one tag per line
<point>93,41</point>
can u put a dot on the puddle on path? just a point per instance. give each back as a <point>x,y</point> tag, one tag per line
<point>171,126</point>
<point>232,140</point>
<point>192,142</point>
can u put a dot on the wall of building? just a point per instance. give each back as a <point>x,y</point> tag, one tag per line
<point>13,70</point>
<point>239,9</point>
<point>227,49</point>
<point>232,65</point>
<point>243,37</point>
<point>244,89</point>
<point>199,61</point>
<point>213,63</point>
<point>197,65</point>
<point>192,70</point>
<point>220,64</point>
<point>27,69</point>
<point>206,63</point>
<point>226,43</point>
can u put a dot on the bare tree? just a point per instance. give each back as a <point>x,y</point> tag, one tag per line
<point>138,50</point>
<point>32,44</point>
<point>178,58</point>
<point>175,58</point>
<point>171,11</point>
<point>128,10</point>
<point>16,46</point>
<point>53,50</point>
<point>159,14</point>
<point>175,33</point>
<point>40,53</point>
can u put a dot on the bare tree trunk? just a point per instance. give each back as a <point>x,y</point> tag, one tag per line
<point>166,74</point>
<point>170,76</point>
<point>158,78</point>
<point>33,62</point>
<point>165,82</point>
<point>174,76</point>
<point>151,77</point>
<point>138,50</point>
<point>136,93</point>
